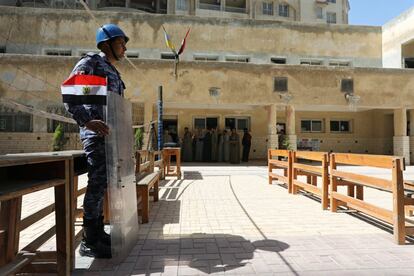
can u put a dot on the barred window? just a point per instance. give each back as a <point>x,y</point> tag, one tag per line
<point>15,121</point>
<point>52,124</point>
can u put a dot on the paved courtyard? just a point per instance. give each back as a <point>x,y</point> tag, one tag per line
<point>227,220</point>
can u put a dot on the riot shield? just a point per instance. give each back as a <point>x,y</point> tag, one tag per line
<point>121,177</point>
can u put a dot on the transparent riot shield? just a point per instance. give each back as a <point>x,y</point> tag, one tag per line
<point>121,177</point>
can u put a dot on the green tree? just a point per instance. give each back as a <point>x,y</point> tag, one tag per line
<point>59,138</point>
<point>139,138</point>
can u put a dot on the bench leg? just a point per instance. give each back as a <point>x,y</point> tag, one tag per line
<point>360,192</point>
<point>156,185</point>
<point>10,213</point>
<point>144,192</point>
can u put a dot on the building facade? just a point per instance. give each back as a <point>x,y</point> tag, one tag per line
<point>320,86</point>
<point>315,11</point>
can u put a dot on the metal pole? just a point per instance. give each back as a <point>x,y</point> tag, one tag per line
<point>160,126</point>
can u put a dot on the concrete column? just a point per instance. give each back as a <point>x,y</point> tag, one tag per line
<point>157,6</point>
<point>223,5</point>
<point>272,137</point>
<point>401,140</point>
<point>148,112</point>
<point>192,7</point>
<point>291,127</point>
<point>411,113</point>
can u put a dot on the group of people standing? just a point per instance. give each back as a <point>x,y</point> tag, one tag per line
<point>212,145</point>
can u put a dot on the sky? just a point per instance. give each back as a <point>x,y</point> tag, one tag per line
<point>376,12</point>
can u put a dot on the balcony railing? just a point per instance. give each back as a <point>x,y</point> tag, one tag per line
<point>235,9</point>
<point>205,6</point>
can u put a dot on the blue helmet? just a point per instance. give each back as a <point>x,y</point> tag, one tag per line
<point>109,31</point>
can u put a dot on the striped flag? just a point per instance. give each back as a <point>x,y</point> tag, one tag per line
<point>168,41</point>
<point>84,89</point>
<point>183,43</point>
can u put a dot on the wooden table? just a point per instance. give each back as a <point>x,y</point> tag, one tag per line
<point>25,174</point>
<point>168,168</point>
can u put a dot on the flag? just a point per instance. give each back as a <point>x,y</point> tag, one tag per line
<point>84,89</point>
<point>183,42</point>
<point>168,41</point>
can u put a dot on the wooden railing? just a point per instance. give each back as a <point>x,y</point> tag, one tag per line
<point>285,164</point>
<point>396,216</point>
<point>332,177</point>
<point>312,172</point>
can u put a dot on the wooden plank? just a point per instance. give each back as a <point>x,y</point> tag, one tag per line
<point>144,166</point>
<point>275,152</point>
<point>409,230</point>
<point>308,187</point>
<point>26,222</point>
<point>47,267</point>
<point>308,168</point>
<point>45,256</point>
<point>310,155</point>
<point>372,210</point>
<point>17,264</point>
<point>148,179</point>
<point>279,177</point>
<point>408,201</point>
<point>39,241</point>
<point>333,183</point>
<point>81,191</point>
<point>370,181</point>
<point>278,163</point>
<point>379,161</point>
<point>26,159</point>
<point>398,203</point>
<point>15,188</point>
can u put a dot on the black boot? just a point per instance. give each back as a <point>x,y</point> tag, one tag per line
<point>91,244</point>
<point>103,236</point>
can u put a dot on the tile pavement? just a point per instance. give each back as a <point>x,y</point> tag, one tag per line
<point>223,220</point>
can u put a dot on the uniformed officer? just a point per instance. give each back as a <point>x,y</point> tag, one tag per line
<point>111,40</point>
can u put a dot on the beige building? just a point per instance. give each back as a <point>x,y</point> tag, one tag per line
<point>324,86</point>
<point>315,11</point>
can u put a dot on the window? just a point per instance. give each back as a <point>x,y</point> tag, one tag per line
<point>332,1</point>
<point>52,124</point>
<point>280,84</point>
<point>206,58</point>
<point>311,125</point>
<point>331,17</point>
<point>267,8</point>
<point>239,123</point>
<point>311,62</point>
<point>58,52</point>
<point>167,56</point>
<point>132,55</point>
<point>339,63</point>
<point>284,10</point>
<point>238,58</point>
<point>340,126</point>
<point>277,60</point>
<point>319,12</point>
<point>199,123</point>
<point>182,5</point>
<point>2,49</point>
<point>15,121</point>
<point>205,122</point>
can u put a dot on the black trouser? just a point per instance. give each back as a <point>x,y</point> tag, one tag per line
<point>246,151</point>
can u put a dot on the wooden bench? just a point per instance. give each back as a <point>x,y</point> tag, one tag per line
<point>22,175</point>
<point>396,216</point>
<point>147,181</point>
<point>169,169</point>
<point>312,172</point>
<point>159,163</point>
<point>273,162</point>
